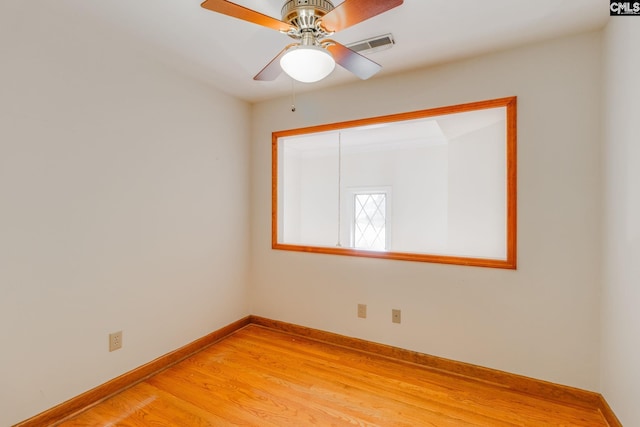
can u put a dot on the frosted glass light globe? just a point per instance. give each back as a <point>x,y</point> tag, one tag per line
<point>307,64</point>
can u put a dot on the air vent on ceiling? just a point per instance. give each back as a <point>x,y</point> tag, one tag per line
<point>374,44</point>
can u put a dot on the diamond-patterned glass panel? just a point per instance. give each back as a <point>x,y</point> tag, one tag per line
<point>369,222</point>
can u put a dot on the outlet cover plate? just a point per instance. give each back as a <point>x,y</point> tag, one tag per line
<point>395,315</point>
<point>362,311</point>
<point>115,341</point>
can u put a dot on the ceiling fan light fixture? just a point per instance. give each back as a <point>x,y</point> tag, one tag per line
<point>307,64</point>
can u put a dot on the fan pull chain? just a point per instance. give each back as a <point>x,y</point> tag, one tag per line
<point>293,97</point>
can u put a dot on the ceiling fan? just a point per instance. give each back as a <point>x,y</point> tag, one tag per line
<point>312,57</point>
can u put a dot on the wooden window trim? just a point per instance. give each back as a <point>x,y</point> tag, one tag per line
<point>511,167</point>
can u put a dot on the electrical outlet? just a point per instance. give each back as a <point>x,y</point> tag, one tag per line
<point>362,311</point>
<point>395,315</point>
<point>115,341</point>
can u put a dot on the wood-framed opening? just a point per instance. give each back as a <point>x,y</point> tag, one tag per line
<point>442,117</point>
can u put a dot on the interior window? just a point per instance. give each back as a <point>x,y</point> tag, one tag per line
<point>451,172</point>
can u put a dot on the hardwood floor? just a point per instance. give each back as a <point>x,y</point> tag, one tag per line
<point>262,377</point>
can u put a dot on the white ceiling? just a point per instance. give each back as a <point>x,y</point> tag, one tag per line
<point>227,52</point>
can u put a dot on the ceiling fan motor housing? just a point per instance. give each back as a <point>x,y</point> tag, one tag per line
<point>304,14</point>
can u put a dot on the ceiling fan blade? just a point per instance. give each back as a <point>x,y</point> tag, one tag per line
<point>352,12</point>
<point>236,11</point>
<point>359,65</point>
<point>272,70</point>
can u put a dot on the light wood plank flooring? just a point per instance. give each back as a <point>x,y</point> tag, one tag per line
<point>262,377</point>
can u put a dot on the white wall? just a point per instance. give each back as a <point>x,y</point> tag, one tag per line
<point>477,205</point>
<point>124,197</point>
<point>541,320</point>
<point>419,198</point>
<point>620,370</point>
